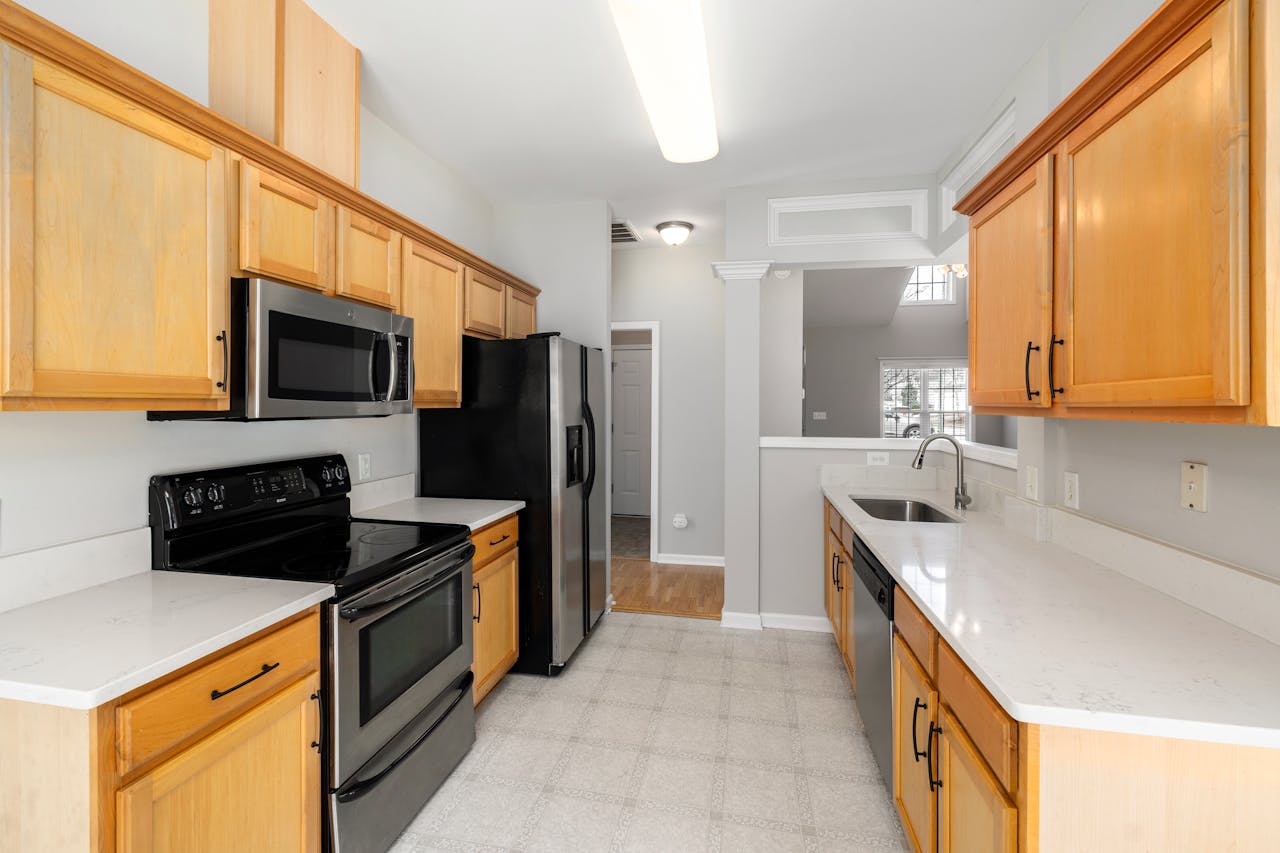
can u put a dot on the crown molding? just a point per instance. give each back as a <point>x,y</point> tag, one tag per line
<point>1000,133</point>
<point>741,270</point>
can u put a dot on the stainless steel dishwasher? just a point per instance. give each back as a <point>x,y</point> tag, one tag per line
<point>873,654</point>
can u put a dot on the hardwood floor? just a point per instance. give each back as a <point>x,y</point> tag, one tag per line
<point>640,586</point>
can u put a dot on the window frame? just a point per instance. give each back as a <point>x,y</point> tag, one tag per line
<point>949,279</point>
<point>923,364</point>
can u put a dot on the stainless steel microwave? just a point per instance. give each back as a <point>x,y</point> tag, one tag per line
<point>296,354</point>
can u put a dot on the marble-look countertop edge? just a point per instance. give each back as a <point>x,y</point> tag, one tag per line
<point>1035,714</point>
<point>427,509</point>
<point>84,700</point>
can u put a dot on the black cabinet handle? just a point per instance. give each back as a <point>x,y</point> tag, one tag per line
<point>934,783</point>
<point>504,538</point>
<point>1055,342</point>
<point>218,694</point>
<point>225,358</point>
<point>839,575</point>
<point>479,601</point>
<point>915,746</point>
<point>1026,370</point>
<point>318,745</point>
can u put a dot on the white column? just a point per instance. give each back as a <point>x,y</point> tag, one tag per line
<point>741,440</point>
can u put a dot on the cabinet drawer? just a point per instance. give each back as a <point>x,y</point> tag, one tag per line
<point>186,707</point>
<point>833,519</point>
<point>992,731</point>
<point>495,539</point>
<point>915,630</point>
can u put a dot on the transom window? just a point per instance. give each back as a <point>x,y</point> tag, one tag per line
<point>919,397</point>
<point>929,285</point>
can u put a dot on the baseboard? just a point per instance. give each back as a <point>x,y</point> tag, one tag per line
<point>749,621</point>
<point>793,622</point>
<point>691,560</point>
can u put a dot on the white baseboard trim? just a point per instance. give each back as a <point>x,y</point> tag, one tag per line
<point>793,622</point>
<point>749,621</point>
<point>691,560</point>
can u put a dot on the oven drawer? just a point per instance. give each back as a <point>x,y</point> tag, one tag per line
<point>495,539</point>
<point>204,698</point>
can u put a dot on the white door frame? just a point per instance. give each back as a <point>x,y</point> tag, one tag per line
<point>652,327</point>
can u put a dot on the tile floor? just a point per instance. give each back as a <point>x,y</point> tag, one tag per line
<point>669,734</point>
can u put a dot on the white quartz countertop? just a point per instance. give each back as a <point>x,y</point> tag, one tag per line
<point>473,513</point>
<point>1060,640</point>
<point>89,647</point>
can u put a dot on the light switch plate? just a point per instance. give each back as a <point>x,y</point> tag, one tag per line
<point>1194,491</point>
<point>1071,490</point>
<point>364,465</point>
<point>1031,483</point>
<point>874,458</point>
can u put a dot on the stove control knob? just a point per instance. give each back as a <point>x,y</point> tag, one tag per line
<point>193,497</point>
<point>326,474</point>
<point>216,493</point>
<point>341,472</point>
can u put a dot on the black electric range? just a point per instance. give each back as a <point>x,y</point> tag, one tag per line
<point>284,520</point>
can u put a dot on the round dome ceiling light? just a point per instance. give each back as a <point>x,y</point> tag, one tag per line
<point>674,232</point>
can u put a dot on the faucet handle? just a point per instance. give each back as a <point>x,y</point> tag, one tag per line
<point>962,497</point>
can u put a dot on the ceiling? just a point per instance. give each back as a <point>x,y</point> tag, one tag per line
<point>853,297</point>
<point>534,102</point>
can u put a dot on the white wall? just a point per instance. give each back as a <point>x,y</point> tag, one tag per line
<point>781,354</point>
<point>399,174</point>
<point>565,250</point>
<point>677,288</point>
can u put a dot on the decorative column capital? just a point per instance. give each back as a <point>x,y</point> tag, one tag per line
<point>741,270</point>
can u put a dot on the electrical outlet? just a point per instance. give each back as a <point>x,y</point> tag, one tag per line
<point>680,521</point>
<point>1031,483</point>
<point>819,416</point>
<point>1194,492</point>
<point>1071,490</point>
<point>364,465</point>
<point>874,458</point>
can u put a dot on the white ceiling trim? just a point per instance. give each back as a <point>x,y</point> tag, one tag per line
<point>917,201</point>
<point>741,270</point>
<point>999,134</point>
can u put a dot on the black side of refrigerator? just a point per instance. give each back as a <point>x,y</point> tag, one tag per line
<point>497,445</point>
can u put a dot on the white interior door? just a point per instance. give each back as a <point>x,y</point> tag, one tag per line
<point>632,442</point>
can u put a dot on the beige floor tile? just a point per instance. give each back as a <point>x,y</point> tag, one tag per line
<point>678,782</point>
<point>698,668</point>
<point>751,839</point>
<point>684,733</point>
<point>577,681</point>
<point>599,769</point>
<point>758,704</point>
<point>761,794</point>
<point>661,639</point>
<point>522,757</point>
<point>756,741</point>
<point>664,832</point>
<point>623,688</point>
<point>551,714</point>
<point>488,813</point>
<point>860,807</point>
<point>693,698</point>
<point>837,751</point>
<point>573,825</point>
<point>643,661</point>
<point>616,724</point>
<point>827,712</point>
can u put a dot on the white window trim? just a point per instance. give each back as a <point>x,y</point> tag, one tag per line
<point>951,282</point>
<point>923,364</point>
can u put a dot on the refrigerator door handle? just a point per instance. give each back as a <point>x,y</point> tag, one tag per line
<point>589,417</point>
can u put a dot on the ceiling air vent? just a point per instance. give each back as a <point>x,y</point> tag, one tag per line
<point>624,232</point>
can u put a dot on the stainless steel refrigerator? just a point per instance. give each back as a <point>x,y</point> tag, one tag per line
<point>531,427</point>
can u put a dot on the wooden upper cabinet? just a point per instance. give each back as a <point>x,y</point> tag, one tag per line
<point>431,293</point>
<point>252,785</point>
<point>522,313</point>
<point>1011,293</point>
<point>1154,202</point>
<point>368,261</point>
<point>278,69</point>
<point>485,305</point>
<point>285,231</point>
<point>113,281</point>
<point>976,815</point>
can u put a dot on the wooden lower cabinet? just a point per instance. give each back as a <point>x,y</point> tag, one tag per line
<point>976,814</point>
<point>495,603</point>
<point>253,785</point>
<point>844,637</point>
<point>915,703</point>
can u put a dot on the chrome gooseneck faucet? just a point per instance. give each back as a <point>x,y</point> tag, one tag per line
<point>962,495</point>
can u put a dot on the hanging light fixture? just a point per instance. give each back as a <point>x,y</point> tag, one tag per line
<point>666,48</point>
<point>960,270</point>
<point>674,232</point>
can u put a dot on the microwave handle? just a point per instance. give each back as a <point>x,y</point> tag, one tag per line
<point>393,356</point>
<point>373,362</point>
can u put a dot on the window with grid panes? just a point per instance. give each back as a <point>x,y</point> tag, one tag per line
<point>919,397</point>
<point>929,285</point>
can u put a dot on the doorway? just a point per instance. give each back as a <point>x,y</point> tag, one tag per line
<point>634,440</point>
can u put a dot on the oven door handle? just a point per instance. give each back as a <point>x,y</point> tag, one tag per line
<point>359,611</point>
<point>357,788</point>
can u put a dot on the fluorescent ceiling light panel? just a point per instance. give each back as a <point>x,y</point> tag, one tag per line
<point>667,50</point>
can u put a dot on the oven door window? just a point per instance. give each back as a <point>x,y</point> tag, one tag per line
<point>399,649</point>
<point>315,360</point>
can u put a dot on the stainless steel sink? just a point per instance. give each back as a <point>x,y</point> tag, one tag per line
<point>901,509</point>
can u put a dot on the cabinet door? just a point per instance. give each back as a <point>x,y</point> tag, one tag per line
<point>497,628</point>
<point>285,230</point>
<point>485,305</point>
<point>833,590</point>
<point>1155,199</point>
<point>915,704</point>
<point>832,553</point>
<point>976,814</point>
<point>113,281</point>
<point>253,785</point>
<point>431,293</point>
<point>368,260</point>
<point>522,313</point>
<point>319,93</point>
<point>847,581</point>
<point>1011,293</point>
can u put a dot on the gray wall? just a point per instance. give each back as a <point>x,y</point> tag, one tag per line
<point>842,364</point>
<point>781,354</point>
<point>677,288</point>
